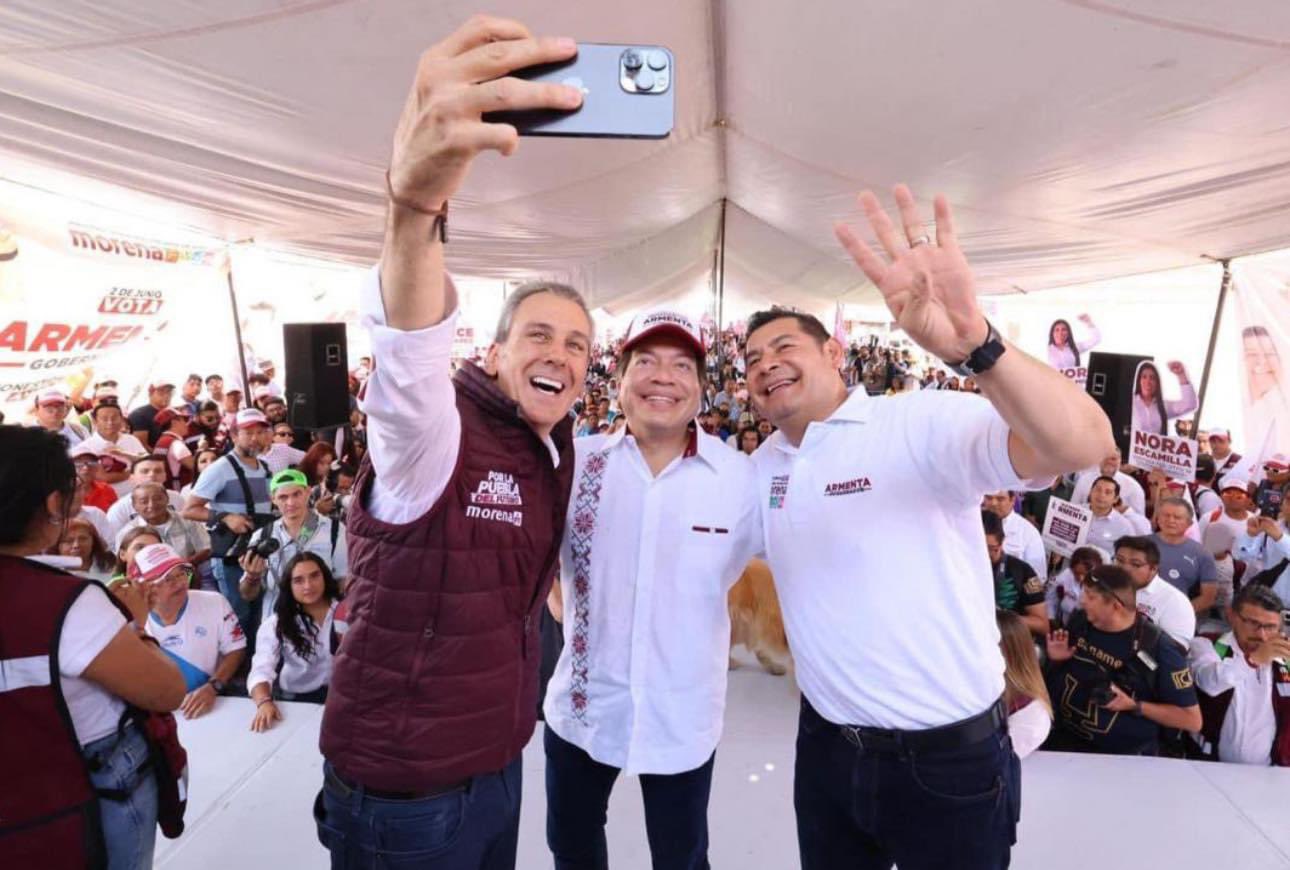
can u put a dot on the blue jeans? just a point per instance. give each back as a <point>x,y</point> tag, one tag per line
<point>472,828</point>
<point>922,811</point>
<point>130,825</point>
<point>577,799</point>
<point>227,575</point>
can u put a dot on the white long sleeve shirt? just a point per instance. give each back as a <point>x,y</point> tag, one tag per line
<point>646,565</point>
<point>298,674</point>
<point>1130,489</point>
<point>1023,541</point>
<point>1250,728</point>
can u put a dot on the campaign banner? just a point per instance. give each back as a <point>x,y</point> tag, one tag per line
<point>463,342</point>
<point>1260,295</point>
<point>1174,456</point>
<point>1066,526</point>
<point>1067,348</point>
<point>83,300</point>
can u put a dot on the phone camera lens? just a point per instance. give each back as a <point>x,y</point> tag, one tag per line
<point>657,60</point>
<point>644,80</point>
<point>632,60</point>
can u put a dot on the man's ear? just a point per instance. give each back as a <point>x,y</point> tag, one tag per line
<point>835,352</point>
<point>490,359</point>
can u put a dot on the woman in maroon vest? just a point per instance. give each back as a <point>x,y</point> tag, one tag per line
<point>70,662</point>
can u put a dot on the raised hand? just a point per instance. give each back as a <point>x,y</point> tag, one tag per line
<point>459,79</point>
<point>1178,369</point>
<point>927,284</point>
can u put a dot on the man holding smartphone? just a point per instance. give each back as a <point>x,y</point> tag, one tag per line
<point>455,527</point>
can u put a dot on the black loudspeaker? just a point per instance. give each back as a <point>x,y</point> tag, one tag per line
<point>1110,383</point>
<point>317,374</point>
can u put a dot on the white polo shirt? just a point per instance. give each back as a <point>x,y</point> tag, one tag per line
<point>1248,732</point>
<point>873,532</point>
<point>646,565</point>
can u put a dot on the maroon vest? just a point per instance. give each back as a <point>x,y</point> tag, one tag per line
<point>1213,711</point>
<point>49,814</point>
<point>436,679</point>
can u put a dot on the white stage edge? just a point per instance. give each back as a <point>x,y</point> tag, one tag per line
<point>252,794</point>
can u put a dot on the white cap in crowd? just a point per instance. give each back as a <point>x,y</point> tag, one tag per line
<point>250,417</point>
<point>51,396</point>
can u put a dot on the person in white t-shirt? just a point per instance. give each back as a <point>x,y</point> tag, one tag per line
<point>1235,516</point>
<point>198,630</point>
<point>871,511</point>
<point>102,663</point>
<point>662,522</point>
<point>1021,539</point>
<point>111,438</point>
<point>1161,602</point>
<point>1130,490</point>
<point>51,413</point>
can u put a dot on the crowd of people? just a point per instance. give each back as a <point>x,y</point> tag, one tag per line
<point>398,568</point>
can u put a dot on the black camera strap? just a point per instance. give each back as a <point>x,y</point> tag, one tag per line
<point>246,485</point>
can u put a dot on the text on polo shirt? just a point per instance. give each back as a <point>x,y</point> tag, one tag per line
<point>848,487</point>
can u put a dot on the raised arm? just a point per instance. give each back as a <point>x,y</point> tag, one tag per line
<point>439,133</point>
<point>929,288</point>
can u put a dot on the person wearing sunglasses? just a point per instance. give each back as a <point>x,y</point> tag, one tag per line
<point>1115,678</point>
<point>198,630</point>
<point>1243,680</point>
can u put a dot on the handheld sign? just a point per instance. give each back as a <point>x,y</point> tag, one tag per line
<point>1065,527</point>
<point>1176,457</point>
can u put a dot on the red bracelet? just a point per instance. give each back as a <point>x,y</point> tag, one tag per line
<point>440,215</point>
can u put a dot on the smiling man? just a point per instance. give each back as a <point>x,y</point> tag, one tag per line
<point>661,524</point>
<point>455,528</point>
<point>873,532</point>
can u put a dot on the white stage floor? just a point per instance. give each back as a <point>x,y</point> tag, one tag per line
<point>251,798</point>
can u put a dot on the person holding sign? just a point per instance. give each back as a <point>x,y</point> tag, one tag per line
<point>1151,413</point>
<point>1063,350</point>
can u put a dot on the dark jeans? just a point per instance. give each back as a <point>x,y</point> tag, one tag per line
<point>471,828</point>
<point>859,810</point>
<point>577,798</point>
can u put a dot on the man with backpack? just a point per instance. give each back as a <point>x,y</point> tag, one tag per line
<point>1115,678</point>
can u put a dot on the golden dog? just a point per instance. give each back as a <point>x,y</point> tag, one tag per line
<point>756,621</point>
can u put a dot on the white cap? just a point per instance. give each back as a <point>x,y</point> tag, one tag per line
<point>664,321</point>
<point>51,396</point>
<point>1233,481</point>
<point>251,417</point>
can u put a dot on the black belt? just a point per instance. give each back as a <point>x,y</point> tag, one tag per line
<point>956,735</point>
<point>336,782</point>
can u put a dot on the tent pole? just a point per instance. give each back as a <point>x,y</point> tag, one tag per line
<point>1213,339</point>
<point>237,330</point>
<point>721,284</point>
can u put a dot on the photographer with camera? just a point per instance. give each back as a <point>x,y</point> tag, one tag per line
<point>299,530</point>
<point>232,498</point>
<point>1115,678</point>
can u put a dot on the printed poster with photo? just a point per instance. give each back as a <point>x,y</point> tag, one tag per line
<point>1151,410</point>
<point>1068,346</point>
<point>1174,456</point>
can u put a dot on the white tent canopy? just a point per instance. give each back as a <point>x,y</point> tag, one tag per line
<point>1077,139</point>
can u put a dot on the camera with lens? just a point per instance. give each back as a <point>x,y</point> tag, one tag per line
<point>263,548</point>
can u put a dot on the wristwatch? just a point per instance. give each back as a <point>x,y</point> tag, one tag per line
<point>217,685</point>
<point>984,357</point>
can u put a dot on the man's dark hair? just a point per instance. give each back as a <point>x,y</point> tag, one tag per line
<point>1257,595</point>
<point>258,379</point>
<point>1111,480</point>
<point>197,378</point>
<point>210,378</point>
<point>1116,581</point>
<point>993,525</point>
<point>1140,544</point>
<point>104,403</point>
<point>1205,469</point>
<point>151,457</point>
<point>809,323</point>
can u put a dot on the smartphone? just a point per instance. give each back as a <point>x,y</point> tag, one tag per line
<point>627,93</point>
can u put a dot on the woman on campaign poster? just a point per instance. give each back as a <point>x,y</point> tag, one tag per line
<point>1151,413</point>
<point>1063,350</point>
<point>1266,399</point>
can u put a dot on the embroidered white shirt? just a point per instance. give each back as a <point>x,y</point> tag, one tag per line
<point>646,565</point>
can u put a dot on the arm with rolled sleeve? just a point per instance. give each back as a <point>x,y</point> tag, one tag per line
<point>413,428</point>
